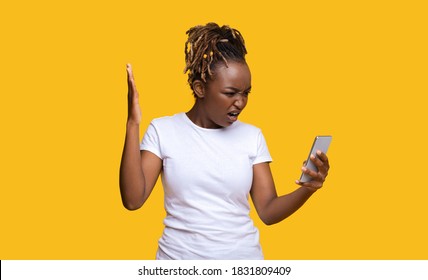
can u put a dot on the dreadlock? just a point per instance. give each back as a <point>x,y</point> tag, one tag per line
<point>208,45</point>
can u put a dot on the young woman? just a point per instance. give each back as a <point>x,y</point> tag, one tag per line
<point>209,161</point>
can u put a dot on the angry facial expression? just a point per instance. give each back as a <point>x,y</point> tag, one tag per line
<point>223,97</point>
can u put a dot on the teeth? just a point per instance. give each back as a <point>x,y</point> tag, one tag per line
<point>233,114</point>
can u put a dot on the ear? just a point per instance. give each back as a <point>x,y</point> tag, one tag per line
<point>199,88</point>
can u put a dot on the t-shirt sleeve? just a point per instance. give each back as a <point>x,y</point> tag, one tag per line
<point>151,141</point>
<point>263,154</point>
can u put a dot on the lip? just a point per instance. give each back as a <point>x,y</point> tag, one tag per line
<point>233,118</point>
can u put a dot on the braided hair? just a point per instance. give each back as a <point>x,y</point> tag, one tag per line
<point>209,45</point>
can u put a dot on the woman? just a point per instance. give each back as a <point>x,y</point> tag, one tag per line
<point>210,162</point>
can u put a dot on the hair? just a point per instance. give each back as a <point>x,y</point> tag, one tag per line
<point>207,46</point>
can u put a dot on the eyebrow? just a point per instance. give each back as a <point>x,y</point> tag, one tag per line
<point>237,89</point>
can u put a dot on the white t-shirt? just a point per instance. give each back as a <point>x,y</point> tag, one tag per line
<point>207,175</point>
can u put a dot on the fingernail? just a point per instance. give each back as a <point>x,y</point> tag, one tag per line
<point>318,152</point>
<point>304,169</point>
<point>312,157</point>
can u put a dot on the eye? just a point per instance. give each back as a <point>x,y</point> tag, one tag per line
<point>229,93</point>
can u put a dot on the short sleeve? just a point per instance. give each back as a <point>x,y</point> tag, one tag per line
<point>263,154</point>
<point>151,141</point>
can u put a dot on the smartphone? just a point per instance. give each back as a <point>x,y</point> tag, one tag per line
<point>320,143</point>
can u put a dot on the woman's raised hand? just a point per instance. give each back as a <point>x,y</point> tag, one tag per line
<point>134,111</point>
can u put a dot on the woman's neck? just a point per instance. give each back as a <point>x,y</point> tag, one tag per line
<point>198,116</point>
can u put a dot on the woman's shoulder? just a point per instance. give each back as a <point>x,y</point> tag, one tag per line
<point>167,120</point>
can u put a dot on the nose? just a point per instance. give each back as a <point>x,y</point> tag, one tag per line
<point>240,101</point>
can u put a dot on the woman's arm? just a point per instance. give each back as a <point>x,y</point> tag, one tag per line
<point>138,170</point>
<point>273,209</point>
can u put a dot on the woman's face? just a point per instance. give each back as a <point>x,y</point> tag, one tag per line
<point>225,95</point>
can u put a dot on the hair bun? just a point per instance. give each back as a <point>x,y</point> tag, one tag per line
<point>207,45</point>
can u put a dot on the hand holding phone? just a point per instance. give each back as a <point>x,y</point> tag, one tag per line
<point>320,143</point>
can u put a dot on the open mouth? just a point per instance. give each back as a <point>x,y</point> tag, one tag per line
<point>233,116</point>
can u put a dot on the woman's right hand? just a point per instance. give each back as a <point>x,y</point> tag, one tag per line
<point>134,111</point>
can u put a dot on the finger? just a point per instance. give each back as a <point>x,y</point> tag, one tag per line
<point>323,158</point>
<point>129,76</point>
<point>129,70</point>
<point>132,88</point>
<point>319,164</point>
<point>313,174</point>
<point>316,176</point>
<point>316,181</point>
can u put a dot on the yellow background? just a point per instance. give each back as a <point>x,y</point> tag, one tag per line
<point>354,69</point>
